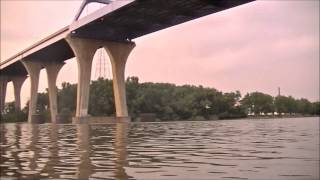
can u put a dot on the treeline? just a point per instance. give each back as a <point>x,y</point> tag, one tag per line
<point>170,102</point>
<point>257,103</point>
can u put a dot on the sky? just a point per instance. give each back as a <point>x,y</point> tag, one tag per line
<point>258,46</point>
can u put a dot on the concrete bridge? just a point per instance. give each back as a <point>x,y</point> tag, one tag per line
<point>112,30</point>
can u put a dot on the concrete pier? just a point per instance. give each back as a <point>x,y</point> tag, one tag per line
<point>3,91</point>
<point>84,50</point>
<point>53,69</point>
<point>118,53</point>
<point>17,84</point>
<point>33,69</point>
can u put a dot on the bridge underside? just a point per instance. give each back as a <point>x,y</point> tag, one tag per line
<point>147,16</point>
<point>58,52</point>
<point>136,19</point>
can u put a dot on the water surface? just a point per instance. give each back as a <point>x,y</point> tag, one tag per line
<point>232,149</point>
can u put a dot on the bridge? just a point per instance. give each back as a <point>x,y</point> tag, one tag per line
<point>114,30</point>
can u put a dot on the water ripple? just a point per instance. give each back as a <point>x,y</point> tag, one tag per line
<point>239,149</point>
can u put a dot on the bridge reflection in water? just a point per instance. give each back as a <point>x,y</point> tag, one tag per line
<point>252,149</point>
<point>63,151</point>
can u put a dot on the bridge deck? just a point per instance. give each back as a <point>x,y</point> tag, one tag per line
<point>126,21</point>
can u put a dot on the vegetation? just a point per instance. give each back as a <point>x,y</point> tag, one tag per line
<point>258,103</point>
<point>170,102</point>
<point>10,113</point>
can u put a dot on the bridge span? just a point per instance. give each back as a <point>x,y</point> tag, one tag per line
<point>112,30</point>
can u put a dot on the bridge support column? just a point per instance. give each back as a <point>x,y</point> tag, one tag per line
<point>84,50</point>
<point>52,73</point>
<point>17,84</point>
<point>33,69</point>
<point>118,53</point>
<point>3,91</point>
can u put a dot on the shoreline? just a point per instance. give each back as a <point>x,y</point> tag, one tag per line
<point>245,118</point>
<point>101,121</point>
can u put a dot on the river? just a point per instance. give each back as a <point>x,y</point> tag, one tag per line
<point>280,149</point>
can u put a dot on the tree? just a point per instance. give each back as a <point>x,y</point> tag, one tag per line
<point>285,104</point>
<point>101,102</point>
<point>315,108</point>
<point>303,106</point>
<point>258,103</point>
<point>43,102</point>
<point>67,97</point>
<point>280,103</point>
<point>169,102</point>
<point>11,114</point>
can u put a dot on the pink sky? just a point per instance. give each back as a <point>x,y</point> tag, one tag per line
<point>255,47</point>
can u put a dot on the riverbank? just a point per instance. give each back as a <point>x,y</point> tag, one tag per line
<point>112,119</point>
<point>243,118</point>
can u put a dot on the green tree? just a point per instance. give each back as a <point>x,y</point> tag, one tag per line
<point>258,103</point>
<point>67,97</point>
<point>285,104</point>
<point>101,102</point>
<point>315,108</point>
<point>10,114</point>
<point>303,106</point>
<point>43,102</point>
<point>168,102</point>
